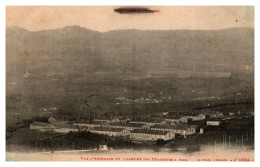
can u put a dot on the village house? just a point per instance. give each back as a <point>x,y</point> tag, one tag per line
<point>150,135</point>
<point>115,132</point>
<point>42,126</point>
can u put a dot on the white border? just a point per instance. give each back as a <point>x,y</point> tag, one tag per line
<point>134,2</point>
<point>125,3</point>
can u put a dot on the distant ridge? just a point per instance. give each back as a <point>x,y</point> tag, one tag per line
<point>125,51</point>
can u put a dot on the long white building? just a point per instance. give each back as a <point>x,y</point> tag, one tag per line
<point>115,132</point>
<point>150,135</point>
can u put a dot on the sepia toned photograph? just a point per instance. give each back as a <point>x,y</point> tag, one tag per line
<point>130,83</point>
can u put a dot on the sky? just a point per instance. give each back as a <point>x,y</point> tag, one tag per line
<point>103,18</point>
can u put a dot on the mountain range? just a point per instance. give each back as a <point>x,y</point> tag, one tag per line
<point>41,64</point>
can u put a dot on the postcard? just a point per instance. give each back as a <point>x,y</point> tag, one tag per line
<point>130,83</point>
